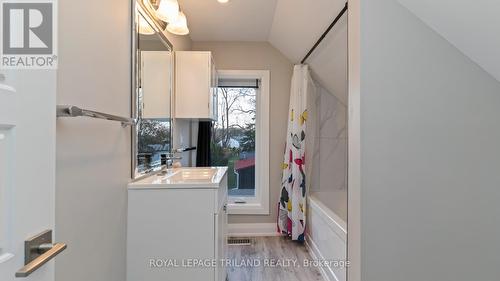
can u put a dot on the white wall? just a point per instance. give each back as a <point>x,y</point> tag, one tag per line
<point>429,153</point>
<point>354,142</point>
<point>261,56</point>
<point>179,42</point>
<point>185,134</point>
<point>93,156</point>
<point>453,20</point>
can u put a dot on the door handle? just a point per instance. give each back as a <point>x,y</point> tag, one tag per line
<point>31,267</point>
<point>38,251</point>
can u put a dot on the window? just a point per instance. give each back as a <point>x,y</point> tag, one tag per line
<point>240,139</point>
<point>153,143</point>
<point>233,142</point>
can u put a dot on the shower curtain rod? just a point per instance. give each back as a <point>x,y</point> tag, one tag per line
<point>325,33</point>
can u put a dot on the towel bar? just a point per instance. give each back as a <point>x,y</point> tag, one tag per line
<point>75,111</point>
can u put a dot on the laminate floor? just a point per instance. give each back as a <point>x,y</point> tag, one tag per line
<point>271,259</point>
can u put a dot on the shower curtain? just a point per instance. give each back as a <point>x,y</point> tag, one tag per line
<point>300,143</point>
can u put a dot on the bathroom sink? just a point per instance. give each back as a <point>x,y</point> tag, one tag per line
<point>192,175</point>
<point>209,177</point>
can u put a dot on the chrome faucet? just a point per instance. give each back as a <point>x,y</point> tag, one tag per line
<point>184,149</point>
<point>169,158</point>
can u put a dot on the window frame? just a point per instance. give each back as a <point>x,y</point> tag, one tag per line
<point>258,204</point>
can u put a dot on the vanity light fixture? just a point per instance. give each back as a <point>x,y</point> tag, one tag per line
<point>144,27</point>
<point>223,1</point>
<point>179,25</point>
<point>168,10</point>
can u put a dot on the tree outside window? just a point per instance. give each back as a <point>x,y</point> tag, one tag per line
<point>233,139</point>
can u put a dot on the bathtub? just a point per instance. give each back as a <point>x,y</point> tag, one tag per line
<point>326,234</point>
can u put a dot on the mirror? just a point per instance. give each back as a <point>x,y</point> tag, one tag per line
<point>152,93</point>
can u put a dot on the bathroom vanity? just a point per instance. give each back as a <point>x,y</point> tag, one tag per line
<point>176,220</point>
<point>177,226</point>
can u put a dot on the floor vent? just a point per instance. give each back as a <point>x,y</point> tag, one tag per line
<point>239,241</point>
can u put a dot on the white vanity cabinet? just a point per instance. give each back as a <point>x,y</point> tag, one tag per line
<point>177,226</point>
<point>196,83</point>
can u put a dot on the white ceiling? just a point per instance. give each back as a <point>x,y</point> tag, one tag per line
<point>298,24</point>
<point>291,26</point>
<point>471,26</point>
<point>238,20</point>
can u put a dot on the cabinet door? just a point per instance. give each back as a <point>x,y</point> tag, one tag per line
<point>193,85</point>
<point>156,84</point>
<point>221,243</point>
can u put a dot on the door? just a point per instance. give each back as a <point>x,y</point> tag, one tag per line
<point>27,166</point>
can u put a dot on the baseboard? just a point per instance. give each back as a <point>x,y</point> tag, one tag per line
<point>252,229</point>
<point>326,272</point>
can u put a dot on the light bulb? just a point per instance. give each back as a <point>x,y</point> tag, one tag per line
<point>223,1</point>
<point>179,26</point>
<point>168,10</point>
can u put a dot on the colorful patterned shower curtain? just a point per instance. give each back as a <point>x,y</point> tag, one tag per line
<point>298,151</point>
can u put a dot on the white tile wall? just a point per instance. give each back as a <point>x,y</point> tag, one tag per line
<point>332,164</point>
<point>330,156</point>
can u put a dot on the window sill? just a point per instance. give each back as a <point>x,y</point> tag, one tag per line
<point>247,209</point>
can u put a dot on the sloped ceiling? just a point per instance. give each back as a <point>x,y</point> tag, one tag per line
<point>471,26</point>
<point>238,20</point>
<point>298,24</point>
<point>328,63</point>
<point>291,26</point>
